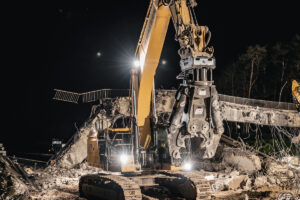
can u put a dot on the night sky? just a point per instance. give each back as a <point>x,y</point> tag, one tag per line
<point>56,47</point>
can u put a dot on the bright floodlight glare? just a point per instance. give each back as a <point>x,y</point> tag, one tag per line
<point>163,62</point>
<point>136,63</point>
<point>98,53</point>
<point>124,158</point>
<point>187,166</point>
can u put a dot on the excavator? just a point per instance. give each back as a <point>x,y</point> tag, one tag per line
<point>141,156</point>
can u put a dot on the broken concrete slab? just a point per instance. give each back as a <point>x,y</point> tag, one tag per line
<point>259,115</point>
<point>236,182</point>
<point>260,181</point>
<point>296,139</point>
<point>76,151</point>
<point>292,160</point>
<point>243,161</point>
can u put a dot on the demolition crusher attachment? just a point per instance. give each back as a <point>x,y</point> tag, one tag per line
<point>196,113</point>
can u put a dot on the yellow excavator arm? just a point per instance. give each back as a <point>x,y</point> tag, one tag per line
<point>193,40</point>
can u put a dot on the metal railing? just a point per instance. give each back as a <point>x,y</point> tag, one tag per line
<point>258,103</point>
<point>88,97</point>
<point>96,95</point>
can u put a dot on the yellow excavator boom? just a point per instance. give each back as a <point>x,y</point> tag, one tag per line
<point>148,53</point>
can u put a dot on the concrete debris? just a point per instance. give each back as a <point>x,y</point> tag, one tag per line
<point>236,182</point>
<point>234,172</point>
<point>60,183</point>
<point>282,174</point>
<point>209,165</point>
<point>28,170</point>
<point>121,106</point>
<point>242,170</point>
<point>296,139</point>
<point>271,180</point>
<point>53,183</point>
<point>277,168</point>
<point>259,115</point>
<point>164,101</point>
<point>232,111</point>
<point>260,181</point>
<point>218,186</point>
<point>56,182</point>
<point>75,151</point>
<point>12,183</point>
<point>243,161</point>
<point>291,160</point>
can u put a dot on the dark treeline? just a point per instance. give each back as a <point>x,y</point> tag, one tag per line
<point>263,72</point>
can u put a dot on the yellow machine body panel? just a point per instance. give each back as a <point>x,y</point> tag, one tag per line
<point>149,55</point>
<point>119,129</point>
<point>167,166</point>
<point>295,91</point>
<point>93,155</point>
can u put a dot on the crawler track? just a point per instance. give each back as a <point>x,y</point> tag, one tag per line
<point>201,184</point>
<point>109,187</point>
<point>195,185</point>
<point>187,185</point>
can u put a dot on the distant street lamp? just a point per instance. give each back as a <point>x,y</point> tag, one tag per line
<point>163,62</point>
<point>99,54</point>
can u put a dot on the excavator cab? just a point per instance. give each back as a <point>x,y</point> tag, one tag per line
<point>112,148</point>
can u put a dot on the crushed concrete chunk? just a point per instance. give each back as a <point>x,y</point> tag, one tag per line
<point>260,181</point>
<point>293,160</point>
<point>235,181</point>
<point>271,180</point>
<point>241,160</point>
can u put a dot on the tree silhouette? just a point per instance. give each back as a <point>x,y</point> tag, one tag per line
<point>263,72</point>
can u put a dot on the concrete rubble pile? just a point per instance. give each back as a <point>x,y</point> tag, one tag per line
<point>101,117</point>
<point>56,182</point>
<point>275,178</point>
<point>234,181</point>
<point>51,183</point>
<point>14,184</point>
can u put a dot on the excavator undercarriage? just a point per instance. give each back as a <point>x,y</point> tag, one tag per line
<point>111,151</point>
<point>151,185</point>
